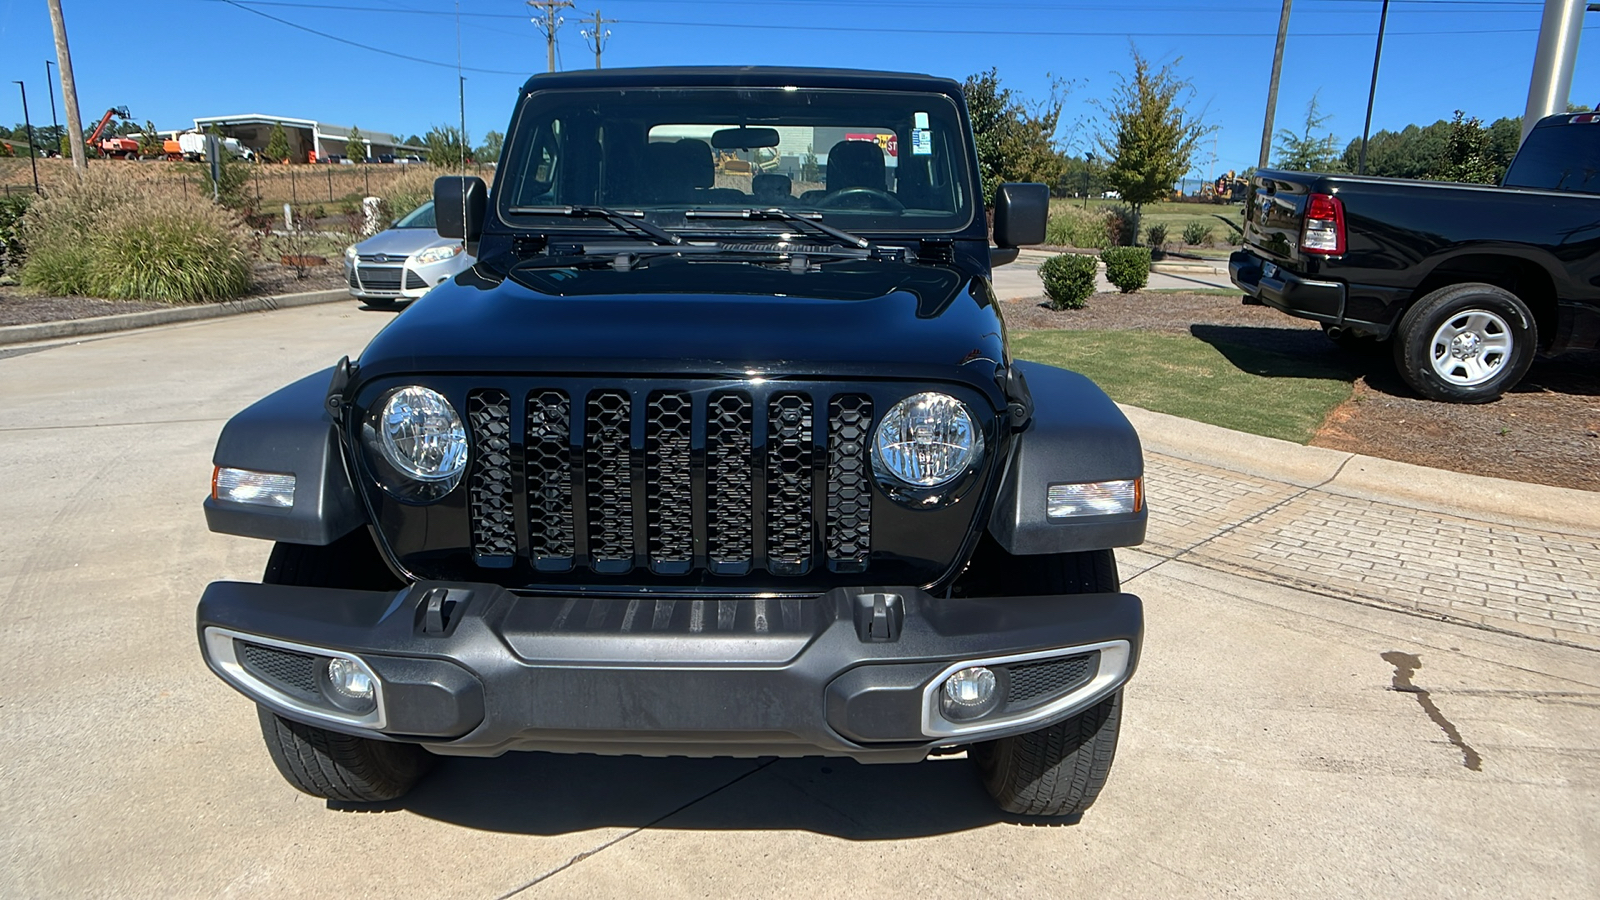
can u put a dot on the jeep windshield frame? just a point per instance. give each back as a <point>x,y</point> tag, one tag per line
<point>900,160</point>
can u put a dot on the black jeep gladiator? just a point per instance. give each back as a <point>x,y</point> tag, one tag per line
<point>718,450</point>
<point>1467,282</point>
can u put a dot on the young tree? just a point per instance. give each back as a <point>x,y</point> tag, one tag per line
<point>1468,156</point>
<point>277,149</point>
<point>492,142</point>
<point>1015,142</point>
<point>448,147</point>
<point>1152,138</point>
<point>355,146</point>
<point>1305,152</point>
<point>150,146</point>
<point>414,141</point>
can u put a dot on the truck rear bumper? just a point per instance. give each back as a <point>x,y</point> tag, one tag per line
<point>475,670</point>
<point>1321,301</point>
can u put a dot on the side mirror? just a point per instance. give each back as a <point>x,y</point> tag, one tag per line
<point>1020,213</point>
<point>459,202</point>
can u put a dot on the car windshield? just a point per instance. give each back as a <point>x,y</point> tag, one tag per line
<point>862,160</point>
<point>421,217</point>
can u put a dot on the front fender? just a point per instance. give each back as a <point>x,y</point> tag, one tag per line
<point>1077,435</point>
<point>289,431</point>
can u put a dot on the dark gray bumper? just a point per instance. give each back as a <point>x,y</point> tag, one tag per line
<point>649,675</point>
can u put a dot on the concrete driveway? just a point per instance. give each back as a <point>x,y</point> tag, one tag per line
<point>1275,742</point>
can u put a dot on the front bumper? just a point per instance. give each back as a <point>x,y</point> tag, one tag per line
<point>475,670</point>
<point>399,278</point>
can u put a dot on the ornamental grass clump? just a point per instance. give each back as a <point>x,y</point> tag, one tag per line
<point>108,235</point>
<point>1068,280</point>
<point>1071,226</point>
<point>1127,267</point>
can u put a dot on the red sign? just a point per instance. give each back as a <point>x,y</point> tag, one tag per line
<point>890,143</point>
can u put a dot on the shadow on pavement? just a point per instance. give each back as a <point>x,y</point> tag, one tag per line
<point>549,794</point>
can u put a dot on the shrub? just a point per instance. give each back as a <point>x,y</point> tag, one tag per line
<point>1068,280</point>
<point>1119,225</point>
<point>1127,267</point>
<point>110,235</point>
<point>11,246</point>
<point>1072,226</point>
<point>1156,236</point>
<point>1196,233</point>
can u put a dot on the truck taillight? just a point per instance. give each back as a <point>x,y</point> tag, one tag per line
<point>1323,231</point>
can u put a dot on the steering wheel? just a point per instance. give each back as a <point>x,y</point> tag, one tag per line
<point>888,200</point>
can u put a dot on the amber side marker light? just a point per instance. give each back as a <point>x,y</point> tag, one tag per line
<point>1095,498</point>
<point>269,489</point>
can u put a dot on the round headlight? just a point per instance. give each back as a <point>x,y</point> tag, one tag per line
<point>926,440</point>
<point>421,435</point>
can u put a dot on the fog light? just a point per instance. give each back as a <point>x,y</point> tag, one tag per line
<point>1099,498</point>
<point>968,694</point>
<point>252,488</point>
<point>349,678</point>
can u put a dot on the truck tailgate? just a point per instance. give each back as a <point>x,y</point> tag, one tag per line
<point>1273,214</point>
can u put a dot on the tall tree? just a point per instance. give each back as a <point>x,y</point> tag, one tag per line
<point>1152,137</point>
<point>448,146</point>
<point>355,146</point>
<point>492,142</point>
<point>1306,152</point>
<point>277,149</point>
<point>1468,156</point>
<point>1016,141</point>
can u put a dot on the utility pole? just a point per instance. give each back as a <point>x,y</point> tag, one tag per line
<point>598,35</point>
<point>50,87</point>
<point>33,155</point>
<point>69,87</point>
<point>547,20</point>
<point>1557,53</point>
<point>1272,86</point>
<point>1372,92</point>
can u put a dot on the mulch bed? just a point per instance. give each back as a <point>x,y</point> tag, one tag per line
<point>18,307</point>
<point>1545,431</point>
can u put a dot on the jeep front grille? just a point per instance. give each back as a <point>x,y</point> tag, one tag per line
<point>671,480</point>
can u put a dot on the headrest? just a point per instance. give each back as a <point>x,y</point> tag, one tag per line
<point>853,164</point>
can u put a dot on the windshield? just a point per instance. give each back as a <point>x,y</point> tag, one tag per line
<point>421,217</point>
<point>874,161</point>
<point>1560,158</point>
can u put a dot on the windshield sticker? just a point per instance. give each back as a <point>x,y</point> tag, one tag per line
<point>922,142</point>
<point>919,120</point>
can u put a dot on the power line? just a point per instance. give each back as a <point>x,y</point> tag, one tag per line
<point>1458,7</point>
<point>350,43</point>
<point>598,35</point>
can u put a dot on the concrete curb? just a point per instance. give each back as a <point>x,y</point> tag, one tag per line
<point>40,331</point>
<point>1513,503</point>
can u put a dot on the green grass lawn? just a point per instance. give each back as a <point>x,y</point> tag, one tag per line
<point>1173,215</point>
<point>1234,386</point>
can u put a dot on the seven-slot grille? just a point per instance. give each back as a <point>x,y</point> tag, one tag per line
<point>725,480</point>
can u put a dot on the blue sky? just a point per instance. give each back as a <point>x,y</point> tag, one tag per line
<point>174,60</point>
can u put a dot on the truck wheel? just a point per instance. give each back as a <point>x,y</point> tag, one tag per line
<point>1058,770</point>
<point>1465,343</point>
<point>325,763</point>
<point>337,766</point>
<point>1055,771</point>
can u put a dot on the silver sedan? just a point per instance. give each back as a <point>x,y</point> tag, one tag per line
<point>404,262</point>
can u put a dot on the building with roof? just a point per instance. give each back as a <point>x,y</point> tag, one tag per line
<point>309,140</point>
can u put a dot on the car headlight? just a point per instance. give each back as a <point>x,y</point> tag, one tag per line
<point>436,254</point>
<point>420,438</point>
<point>350,253</point>
<point>926,440</point>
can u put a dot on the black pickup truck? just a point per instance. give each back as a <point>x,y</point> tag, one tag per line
<point>718,449</point>
<point>1467,282</point>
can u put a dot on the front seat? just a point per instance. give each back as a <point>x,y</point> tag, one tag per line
<point>856,164</point>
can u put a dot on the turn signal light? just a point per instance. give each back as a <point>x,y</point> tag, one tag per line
<point>252,488</point>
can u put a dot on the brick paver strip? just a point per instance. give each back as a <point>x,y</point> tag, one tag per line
<point>1542,584</point>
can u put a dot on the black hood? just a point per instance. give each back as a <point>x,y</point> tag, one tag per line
<point>853,318</point>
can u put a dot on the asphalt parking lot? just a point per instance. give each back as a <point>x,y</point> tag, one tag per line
<point>1275,743</point>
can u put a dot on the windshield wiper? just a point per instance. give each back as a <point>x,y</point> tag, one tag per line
<point>623,222</point>
<point>777,214</point>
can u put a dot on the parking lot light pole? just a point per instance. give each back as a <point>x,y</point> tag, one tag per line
<point>1550,86</point>
<point>1372,92</point>
<point>1272,86</point>
<point>33,155</point>
<point>50,88</point>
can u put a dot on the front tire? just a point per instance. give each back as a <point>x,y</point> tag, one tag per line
<point>1055,771</point>
<point>314,760</point>
<point>1465,343</point>
<point>1060,769</point>
<point>337,766</point>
